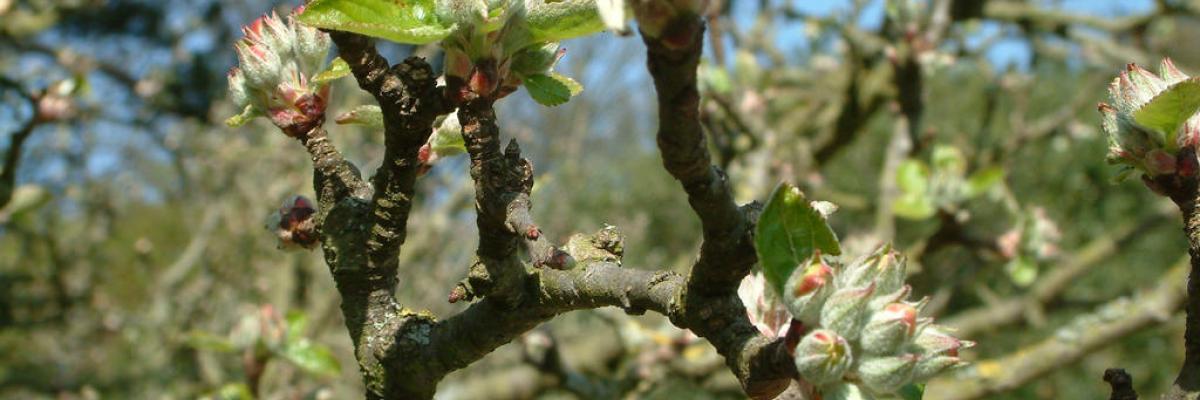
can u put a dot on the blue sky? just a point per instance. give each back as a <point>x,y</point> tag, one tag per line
<point>1003,53</point>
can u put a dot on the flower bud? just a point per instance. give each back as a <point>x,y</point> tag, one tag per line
<point>929,366</point>
<point>887,374</point>
<point>886,268</point>
<point>807,289</point>
<point>311,45</point>
<point>1139,146</point>
<point>933,340</point>
<point>845,311</point>
<point>294,224</point>
<point>260,64</point>
<point>889,329</point>
<point>237,88</point>
<point>276,64</point>
<point>822,357</point>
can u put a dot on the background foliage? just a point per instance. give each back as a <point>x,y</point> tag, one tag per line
<point>144,271</point>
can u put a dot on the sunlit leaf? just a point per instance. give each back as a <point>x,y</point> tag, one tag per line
<point>337,69</point>
<point>983,180</point>
<point>551,89</point>
<point>560,20</point>
<point>789,230</point>
<point>912,176</point>
<point>914,205</point>
<point>949,160</point>
<point>1021,271</point>
<point>234,391</point>
<point>1169,109</point>
<point>246,115</point>
<point>403,21</point>
<point>368,115</point>
<point>310,357</point>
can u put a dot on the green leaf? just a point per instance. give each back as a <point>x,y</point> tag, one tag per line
<point>337,69</point>
<point>1021,271</point>
<point>912,391</point>
<point>207,341</point>
<point>551,89</point>
<point>912,176</point>
<point>310,357</point>
<point>234,391</point>
<point>296,322</point>
<point>561,20</point>
<point>403,21</point>
<point>914,205</point>
<point>247,114</point>
<point>1167,111</point>
<point>983,180</point>
<point>25,198</point>
<point>368,115</point>
<point>789,231</point>
<point>949,160</point>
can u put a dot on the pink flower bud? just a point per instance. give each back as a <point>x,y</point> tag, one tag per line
<point>806,290</point>
<point>889,329</point>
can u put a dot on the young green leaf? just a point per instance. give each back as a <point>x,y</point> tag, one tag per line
<point>368,115</point>
<point>1167,111</point>
<point>246,115</point>
<point>312,358</point>
<point>560,20</point>
<point>983,180</point>
<point>403,21</point>
<point>337,69</point>
<point>912,391</point>
<point>914,205</point>
<point>551,89</point>
<point>789,231</point>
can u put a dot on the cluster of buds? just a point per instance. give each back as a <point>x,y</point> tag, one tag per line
<point>1151,121</point>
<point>294,225</point>
<point>863,334</point>
<point>276,64</point>
<point>491,64</point>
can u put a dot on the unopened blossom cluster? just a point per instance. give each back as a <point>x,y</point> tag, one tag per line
<point>1135,137</point>
<point>277,61</point>
<point>862,336</point>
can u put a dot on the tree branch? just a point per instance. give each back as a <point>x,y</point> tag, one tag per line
<point>727,252</point>
<point>1186,194</point>
<point>967,323</point>
<point>12,156</point>
<point>1109,323</point>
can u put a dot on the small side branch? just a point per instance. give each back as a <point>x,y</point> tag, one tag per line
<point>503,182</point>
<point>1122,384</point>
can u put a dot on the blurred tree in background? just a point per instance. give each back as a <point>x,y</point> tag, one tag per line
<point>134,263</point>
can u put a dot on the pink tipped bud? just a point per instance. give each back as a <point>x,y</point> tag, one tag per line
<point>889,329</point>
<point>806,290</point>
<point>822,357</point>
<point>934,340</point>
